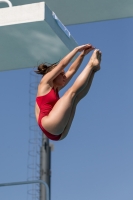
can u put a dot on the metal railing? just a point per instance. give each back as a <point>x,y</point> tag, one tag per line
<point>6,1</point>
<point>28,182</point>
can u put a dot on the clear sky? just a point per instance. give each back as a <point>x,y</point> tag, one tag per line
<point>95,160</point>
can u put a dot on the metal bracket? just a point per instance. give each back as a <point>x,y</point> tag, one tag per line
<point>28,182</point>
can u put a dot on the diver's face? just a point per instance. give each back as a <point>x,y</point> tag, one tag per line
<point>60,79</point>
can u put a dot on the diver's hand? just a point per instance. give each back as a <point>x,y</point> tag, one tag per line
<point>87,48</point>
<point>86,51</point>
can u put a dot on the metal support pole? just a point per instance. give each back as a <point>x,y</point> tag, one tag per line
<point>45,165</point>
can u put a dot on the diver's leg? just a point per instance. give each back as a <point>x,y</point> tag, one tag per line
<point>82,79</point>
<point>81,95</point>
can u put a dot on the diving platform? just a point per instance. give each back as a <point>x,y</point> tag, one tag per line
<point>32,34</point>
<point>84,11</point>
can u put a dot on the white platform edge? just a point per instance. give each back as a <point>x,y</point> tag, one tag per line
<point>22,14</point>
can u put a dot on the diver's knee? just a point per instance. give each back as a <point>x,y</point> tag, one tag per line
<point>71,93</point>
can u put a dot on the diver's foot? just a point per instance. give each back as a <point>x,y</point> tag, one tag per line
<point>95,60</point>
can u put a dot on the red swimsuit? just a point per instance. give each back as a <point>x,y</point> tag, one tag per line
<point>46,103</point>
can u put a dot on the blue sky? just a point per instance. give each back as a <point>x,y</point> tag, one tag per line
<point>95,161</point>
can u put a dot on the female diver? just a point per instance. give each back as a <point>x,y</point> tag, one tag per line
<point>53,114</point>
